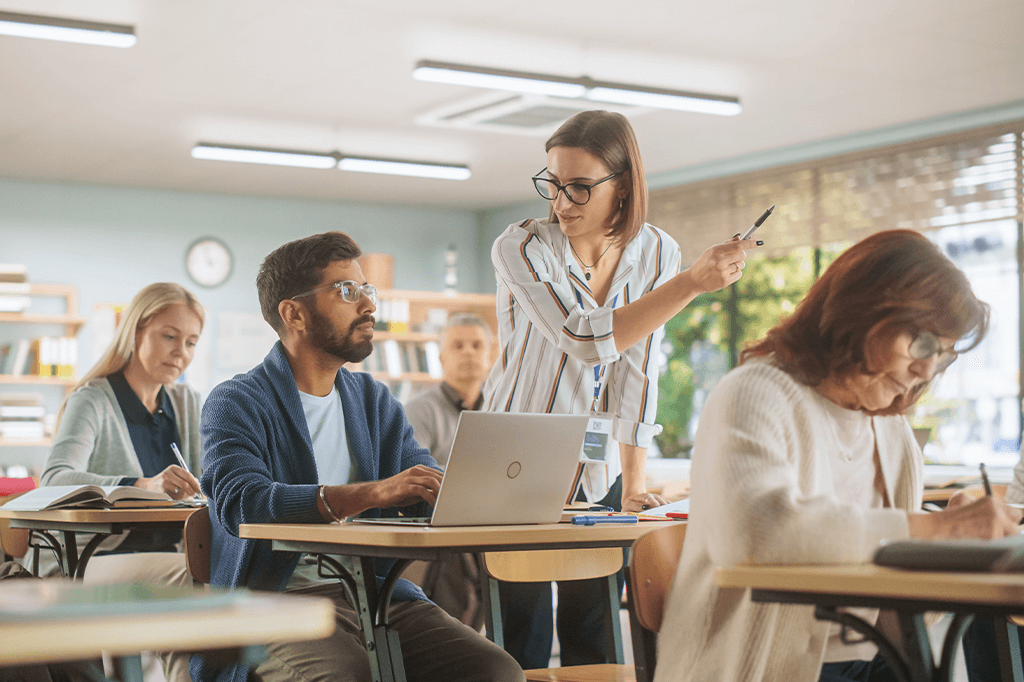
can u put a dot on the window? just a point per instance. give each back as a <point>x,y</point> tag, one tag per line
<point>962,191</point>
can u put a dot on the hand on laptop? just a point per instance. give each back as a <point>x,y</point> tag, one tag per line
<point>986,518</point>
<point>409,487</point>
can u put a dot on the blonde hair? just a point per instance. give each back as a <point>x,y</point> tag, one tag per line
<point>146,305</point>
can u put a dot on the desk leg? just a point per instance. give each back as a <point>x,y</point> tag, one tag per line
<point>916,646</point>
<point>610,591</point>
<point>1008,645</point>
<point>904,670</point>
<point>386,664</point>
<point>954,634</point>
<point>70,553</point>
<point>87,553</point>
<point>492,609</point>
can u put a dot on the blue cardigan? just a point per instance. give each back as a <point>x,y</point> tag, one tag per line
<point>258,467</point>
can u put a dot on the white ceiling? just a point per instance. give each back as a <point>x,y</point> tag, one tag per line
<point>330,74</point>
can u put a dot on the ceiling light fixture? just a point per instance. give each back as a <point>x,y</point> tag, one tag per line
<point>419,169</point>
<point>583,87</point>
<point>273,157</point>
<point>324,160</point>
<point>66,30</point>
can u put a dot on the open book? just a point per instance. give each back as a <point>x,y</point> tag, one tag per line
<point>87,497</point>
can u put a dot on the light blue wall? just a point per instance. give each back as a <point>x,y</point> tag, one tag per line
<point>491,223</point>
<point>111,242</point>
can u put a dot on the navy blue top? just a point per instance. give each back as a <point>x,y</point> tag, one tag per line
<point>152,435</point>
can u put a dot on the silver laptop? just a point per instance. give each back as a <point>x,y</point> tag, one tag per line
<point>506,469</point>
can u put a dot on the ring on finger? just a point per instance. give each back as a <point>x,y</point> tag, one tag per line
<point>176,490</point>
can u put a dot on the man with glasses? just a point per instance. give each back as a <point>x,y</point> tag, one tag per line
<point>299,439</point>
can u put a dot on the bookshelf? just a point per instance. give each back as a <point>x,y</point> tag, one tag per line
<point>58,311</point>
<point>420,303</point>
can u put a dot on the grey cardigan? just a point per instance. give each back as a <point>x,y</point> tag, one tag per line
<point>93,447</point>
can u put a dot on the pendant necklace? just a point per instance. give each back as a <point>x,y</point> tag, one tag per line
<point>585,266</point>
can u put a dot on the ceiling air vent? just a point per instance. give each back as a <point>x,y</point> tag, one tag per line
<point>515,114</point>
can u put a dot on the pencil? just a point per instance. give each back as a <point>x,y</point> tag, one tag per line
<point>984,480</point>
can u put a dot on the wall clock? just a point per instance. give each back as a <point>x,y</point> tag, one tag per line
<point>209,262</point>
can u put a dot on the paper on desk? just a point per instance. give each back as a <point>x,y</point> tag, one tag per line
<point>680,507</point>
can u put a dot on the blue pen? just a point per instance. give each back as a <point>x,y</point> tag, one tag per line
<point>599,507</point>
<point>588,520</point>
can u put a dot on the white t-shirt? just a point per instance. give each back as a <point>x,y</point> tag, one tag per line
<point>854,474</point>
<point>325,419</point>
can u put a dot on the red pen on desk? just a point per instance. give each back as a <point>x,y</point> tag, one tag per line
<point>677,515</point>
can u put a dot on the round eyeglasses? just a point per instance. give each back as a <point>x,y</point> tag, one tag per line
<point>349,291</point>
<point>926,344</point>
<point>576,192</point>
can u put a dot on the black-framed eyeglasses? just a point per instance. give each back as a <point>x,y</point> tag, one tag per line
<point>576,192</point>
<point>349,290</point>
<point>926,344</point>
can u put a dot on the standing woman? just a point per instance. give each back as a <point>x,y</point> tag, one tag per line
<point>583,297</point>
<point>117,427</point>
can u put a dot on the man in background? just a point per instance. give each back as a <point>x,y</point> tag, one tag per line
<point>453,583</point>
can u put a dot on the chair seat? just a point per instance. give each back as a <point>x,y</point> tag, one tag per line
<point>607,672</point>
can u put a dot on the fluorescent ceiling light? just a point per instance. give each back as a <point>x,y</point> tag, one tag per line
<point>497,79</point>
<point>396,167</point>
<point>274,157</point>
<point>324,160</point>
<point>576,88</point>
<point>665,99</point>
<point>66,30</point>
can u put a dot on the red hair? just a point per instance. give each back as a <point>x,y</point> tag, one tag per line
<point>887,284</point>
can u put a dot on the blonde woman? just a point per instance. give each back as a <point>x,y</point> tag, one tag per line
<point>117,427</point>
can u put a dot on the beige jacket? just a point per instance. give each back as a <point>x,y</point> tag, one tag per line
<point>762,492</point>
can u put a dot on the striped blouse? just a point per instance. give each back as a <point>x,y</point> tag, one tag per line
<point>557,348</point>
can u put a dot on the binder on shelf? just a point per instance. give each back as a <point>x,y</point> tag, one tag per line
<point>433,353</point>
<point>20,364</point>
<point>392,358</point>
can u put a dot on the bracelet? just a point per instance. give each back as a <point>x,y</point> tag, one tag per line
<point>327,506</point>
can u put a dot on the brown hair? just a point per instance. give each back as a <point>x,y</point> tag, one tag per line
<point>298,267</point>
<point>609,137</point>
<point>887,284</point>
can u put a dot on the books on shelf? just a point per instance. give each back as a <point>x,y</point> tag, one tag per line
<point>14,304</point>
<point>13,272</point>
<point>22,416</point>
<point>47,356</point>
<point>87,497</point>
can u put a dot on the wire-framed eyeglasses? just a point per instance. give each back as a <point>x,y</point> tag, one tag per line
<point>576,192</point>
<point>350,291</point>
<point>926,344</point>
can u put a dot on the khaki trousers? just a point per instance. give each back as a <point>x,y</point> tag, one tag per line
<point>435,646</point>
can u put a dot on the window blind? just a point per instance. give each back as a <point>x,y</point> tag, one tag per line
<point>959,179</point>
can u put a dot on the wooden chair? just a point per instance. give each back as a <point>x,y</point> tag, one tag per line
<point>197,545</point>
<point>652,566</point>
<point>13,541</point>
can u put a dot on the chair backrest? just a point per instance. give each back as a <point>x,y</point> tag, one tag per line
<point>553,564</point>
<point>652,566</point>
<point>13,541</point>
<point>197,545</point>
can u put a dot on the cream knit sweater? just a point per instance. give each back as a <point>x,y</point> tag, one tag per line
<point>762,492</point>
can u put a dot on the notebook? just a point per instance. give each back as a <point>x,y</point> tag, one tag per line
<point>506,469</point>
<point>1004,556</point>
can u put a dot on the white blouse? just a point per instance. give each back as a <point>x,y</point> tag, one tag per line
<point>557,346</point>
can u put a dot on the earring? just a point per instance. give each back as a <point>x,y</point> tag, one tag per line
<point>620,203</point>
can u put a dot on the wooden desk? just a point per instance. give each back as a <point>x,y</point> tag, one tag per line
<point>47,621</point>
<point>406,544</point>
<point>102,522</point>
<point>909,593</point>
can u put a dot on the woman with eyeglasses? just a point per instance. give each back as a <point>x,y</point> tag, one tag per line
<point>119,426</point>
<point>583,297</point>
<point>804,455</point>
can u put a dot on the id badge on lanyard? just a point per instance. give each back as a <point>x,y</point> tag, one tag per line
<point>599,431</point>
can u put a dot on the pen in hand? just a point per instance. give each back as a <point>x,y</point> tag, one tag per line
<point>183,465</point>
<point>757,223</point>
<point>984,480</point>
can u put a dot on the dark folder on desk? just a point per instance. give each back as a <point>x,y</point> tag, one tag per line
<point>1003,556</point>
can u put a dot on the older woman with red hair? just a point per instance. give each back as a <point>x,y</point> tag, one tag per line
<point>803,455</point>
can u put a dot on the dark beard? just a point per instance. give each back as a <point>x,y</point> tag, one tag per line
<point>344,347</point>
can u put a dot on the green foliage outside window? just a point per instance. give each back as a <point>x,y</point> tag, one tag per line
<point>705,339</point>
